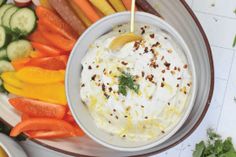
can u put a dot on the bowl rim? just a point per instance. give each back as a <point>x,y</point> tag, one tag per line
<point>197,123</point>
<point>191,98</point>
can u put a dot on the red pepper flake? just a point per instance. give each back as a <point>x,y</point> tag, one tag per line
<point>179,78</point>
<point>163,79</point>
<point>89,67</point>
<point>178,68</point>
<point>185,66</point>
<point>103,87</point>
<point>169,51</point>
<point>189,84</point>
<point>124,63</point>
<point>162,57</point>
<point>163,71</point>
<point>150,77</point>
<point>152,36</point>
<point>114,110</point>
<point>177,85</point>
<point>146,50</point>
<point>175,68</point>
<point>93,77</point>
<point>136,45</point>
<point>143,30</point>
<point>143,74</point>
<point>162,84</point>
<point>156,44</point>
<point>167,64</point>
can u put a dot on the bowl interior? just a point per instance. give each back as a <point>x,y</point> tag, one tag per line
<point>73,72</point>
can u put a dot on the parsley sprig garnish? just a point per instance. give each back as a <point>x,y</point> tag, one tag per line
<point>127,81</point>
<point>215,147</point>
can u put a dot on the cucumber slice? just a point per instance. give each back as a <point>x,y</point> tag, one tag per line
<point>19,49</point>
<point>3,54</point>
<point>2,2</point>
<point>5,38</point>
<point>5,66</point>
<point>3,9</point>
<point>23,20</point>
<point>7,16</point>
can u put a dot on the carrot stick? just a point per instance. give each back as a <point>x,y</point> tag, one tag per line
<point>118,5</point>
<point>127,4</point>
<point>87,9</point>
<point>103,6</point>
<point>80,13</point>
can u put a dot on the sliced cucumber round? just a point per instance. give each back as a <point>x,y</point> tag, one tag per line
<point>7,16</point>
<point>23,20</point>
<point>19,49</point>
<point>5,38</point>
<point>5,66</point>
<point>3,9</point>
<point>3,54</point>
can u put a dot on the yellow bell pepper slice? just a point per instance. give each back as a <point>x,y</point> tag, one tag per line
<point>10,78</point>
<point>37,75</point>
<point>53,93</point>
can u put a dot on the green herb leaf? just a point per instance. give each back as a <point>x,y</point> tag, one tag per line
<point>215,147</point>
<point>234,43</point>
<point>199,149</point>
<point>127,81</point>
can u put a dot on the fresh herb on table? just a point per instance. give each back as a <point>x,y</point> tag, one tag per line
<point>127,81</point>
<point>215,146</point>
<point>234,43</point>
<point>6,130</point>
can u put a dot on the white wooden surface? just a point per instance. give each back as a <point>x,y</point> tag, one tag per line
<point>219,22</point>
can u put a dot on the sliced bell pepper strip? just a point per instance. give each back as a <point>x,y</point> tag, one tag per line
<point>49,134</point>
<point>50,63</point>
<point>37,54</point>
<point>69,118</point>
<point>46,124</point>
<point>52,93</point>
<point>55,23</point>
<point>37,75</point>
<point>36,36</point>
<point>19,63</point>
<point>47,50</point>
<point>25,117</point>
<point>57,40</point>
<point>36,108</point>
<point>10,79</point>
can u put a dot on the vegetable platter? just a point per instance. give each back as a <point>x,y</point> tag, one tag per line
<point>36,38</point>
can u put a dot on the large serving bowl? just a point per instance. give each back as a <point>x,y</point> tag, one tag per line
<point>182,18</point>
<point>73,78</point>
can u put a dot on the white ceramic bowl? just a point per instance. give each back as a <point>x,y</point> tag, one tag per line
<point>11,148</point>
<point>73,72</point>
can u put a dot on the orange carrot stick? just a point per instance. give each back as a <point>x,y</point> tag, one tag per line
<point>127,4</point>
<point>87,9</point>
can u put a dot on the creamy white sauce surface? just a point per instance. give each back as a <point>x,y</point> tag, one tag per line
<point>158,67</point>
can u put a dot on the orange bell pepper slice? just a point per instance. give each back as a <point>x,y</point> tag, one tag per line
<point>46,49</point>
<point>43,124</point>
<point>36,36</point>
<point>54,22</point>
<point>34,108</point>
